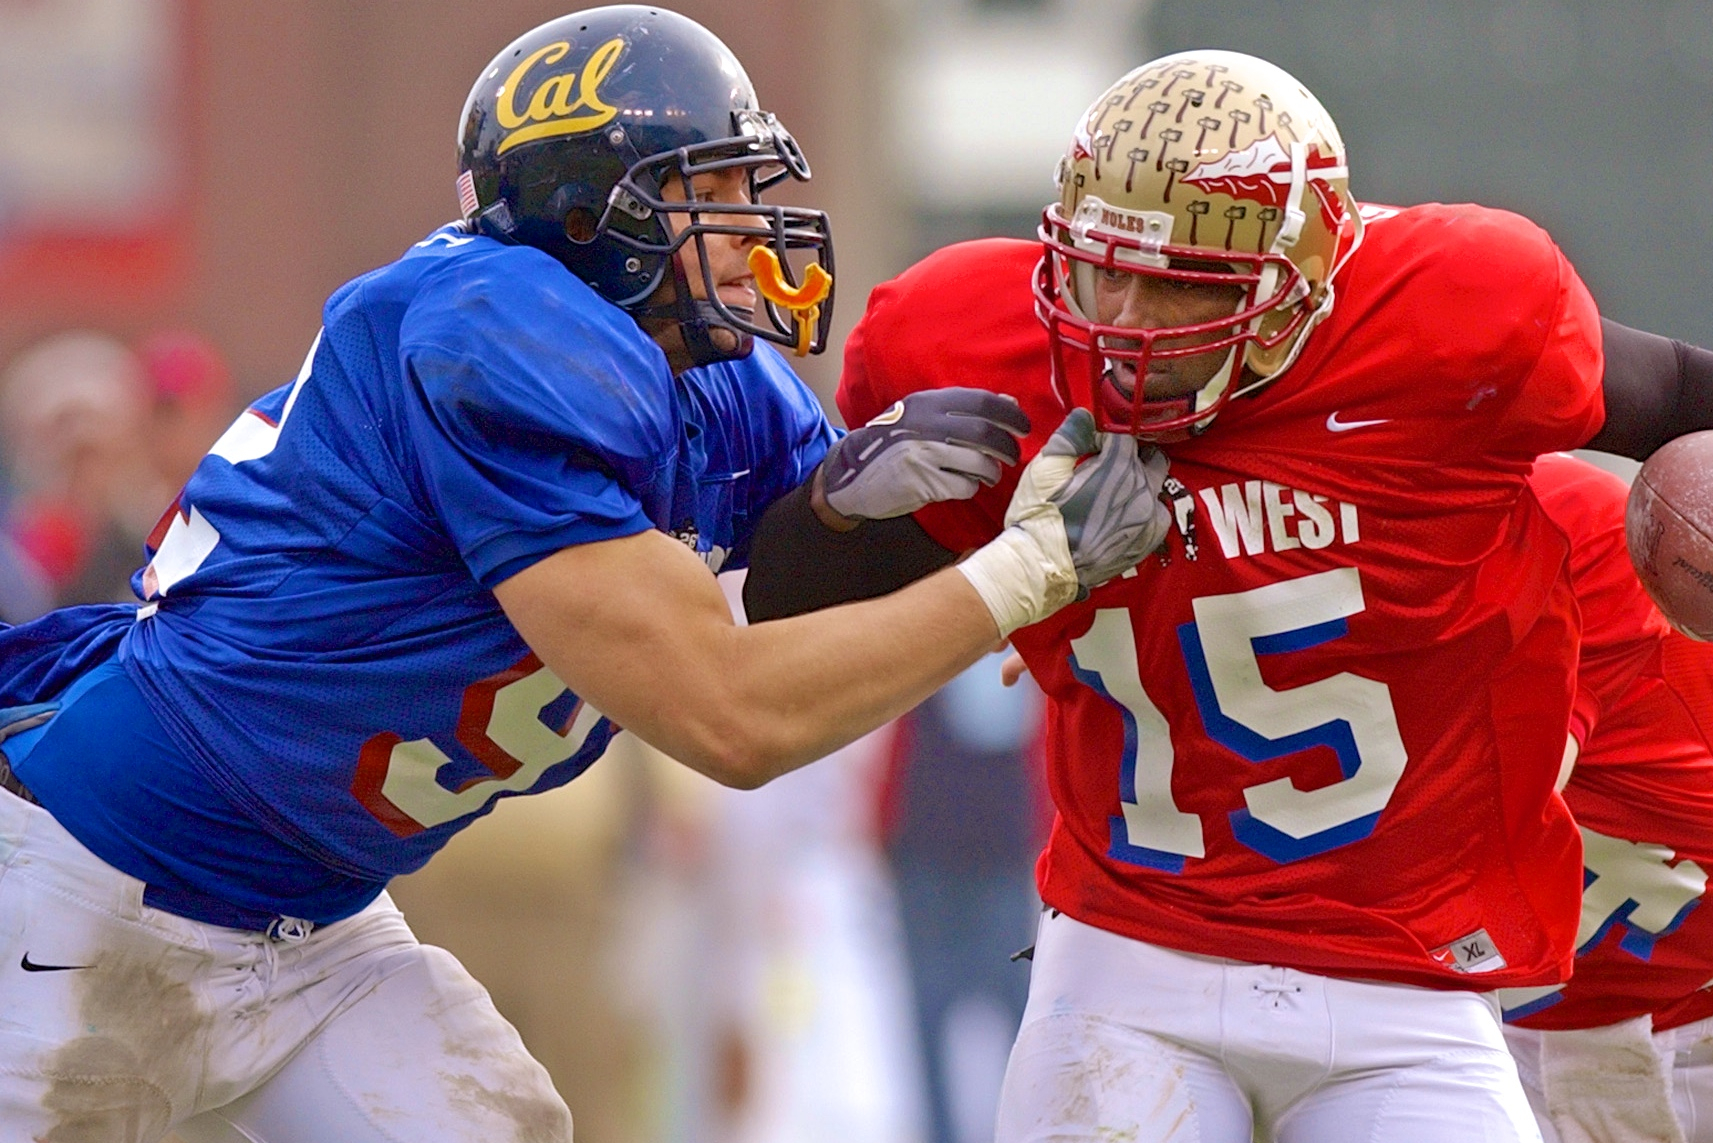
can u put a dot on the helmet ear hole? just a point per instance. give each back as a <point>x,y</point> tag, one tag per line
<point>581,225</point>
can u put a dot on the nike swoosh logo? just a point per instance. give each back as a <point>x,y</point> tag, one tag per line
<point>30,966</point>
<point>1334,425</point>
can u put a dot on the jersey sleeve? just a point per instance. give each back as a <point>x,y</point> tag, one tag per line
<point>964,316</point>
<point>1472,330</point>
<point>1584,714</point>
<point>1556,401</point>
<point>764,433</point>
<point>538,412</point>
<point>1621,629</point>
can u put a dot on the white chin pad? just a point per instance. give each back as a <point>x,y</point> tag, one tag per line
<point>1211,392</point>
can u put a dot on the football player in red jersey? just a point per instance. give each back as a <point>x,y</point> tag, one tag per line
<point>1303,757</point>
<point>1624,1051</point>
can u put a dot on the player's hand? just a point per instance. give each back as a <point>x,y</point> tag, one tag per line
<point>940,444</point>
<point>1073,523</point>
<point>1111,505</point>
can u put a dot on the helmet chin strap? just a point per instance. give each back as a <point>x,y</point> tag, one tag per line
<point>1287,236</point>
<point>1290,231</point>
<point>696,320</point>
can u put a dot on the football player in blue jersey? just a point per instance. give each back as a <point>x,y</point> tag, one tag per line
<point>445,564</point>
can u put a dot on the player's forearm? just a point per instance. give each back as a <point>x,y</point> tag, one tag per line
<point>637,628</point>
<point>744,705</point>
<point>802,687</point>
<point>799,564</point>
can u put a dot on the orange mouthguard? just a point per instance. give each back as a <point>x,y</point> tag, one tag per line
<point>802,302</point>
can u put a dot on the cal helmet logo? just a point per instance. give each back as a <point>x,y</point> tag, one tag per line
<point>569,103</point>
<point>1261,172</point>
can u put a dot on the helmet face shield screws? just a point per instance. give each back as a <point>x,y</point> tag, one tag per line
<point>585,138</point>
<point>1209,173</point>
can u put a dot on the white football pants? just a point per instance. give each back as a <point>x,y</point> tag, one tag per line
<point>1623,1083</point>
<point>1127,1040</point>
<point>131,1022</point>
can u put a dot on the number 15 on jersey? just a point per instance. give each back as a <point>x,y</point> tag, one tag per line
<point>1222,648</point>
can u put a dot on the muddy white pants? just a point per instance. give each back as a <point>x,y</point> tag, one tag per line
<point>1623,1083</point>
<point>119,1022</point>
<point>1127,1040</point>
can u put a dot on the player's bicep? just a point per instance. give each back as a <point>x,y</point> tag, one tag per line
<point>624,623</point>
<point>797,564</point>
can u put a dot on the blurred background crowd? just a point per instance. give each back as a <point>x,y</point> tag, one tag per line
<point>182,182</point>
<point>97,438</point>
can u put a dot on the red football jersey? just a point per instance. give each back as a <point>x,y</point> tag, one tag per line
<point>1320,727</point>
<point>1621,628</point>
<point>1642,790</point>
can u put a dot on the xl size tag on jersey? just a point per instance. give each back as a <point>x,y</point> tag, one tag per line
<point>1473,954</point>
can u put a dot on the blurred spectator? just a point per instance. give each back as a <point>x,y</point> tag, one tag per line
<point>756,951</point>
<point>191,401</point>
<point>815,1040</point>
<point>71,417</point>
<point>758,947</point>
<point>966,814</point>
<point>25,591</point>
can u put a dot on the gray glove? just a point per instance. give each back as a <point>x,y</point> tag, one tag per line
<point>1112,508</point>
<point>1071,526</point>
<point>939,444</point>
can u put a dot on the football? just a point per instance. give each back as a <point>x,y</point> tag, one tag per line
<point>1668,527</point>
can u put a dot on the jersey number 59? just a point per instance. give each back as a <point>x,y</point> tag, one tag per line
<point>500,724</point>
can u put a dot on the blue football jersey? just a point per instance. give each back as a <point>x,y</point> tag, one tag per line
<point>319,634</point>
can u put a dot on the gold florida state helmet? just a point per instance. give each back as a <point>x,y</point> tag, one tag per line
<point>1205,167</point>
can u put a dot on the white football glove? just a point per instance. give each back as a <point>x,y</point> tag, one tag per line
<point>1071,527</point>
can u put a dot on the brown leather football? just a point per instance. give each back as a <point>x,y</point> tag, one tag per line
<point>1668,525</point>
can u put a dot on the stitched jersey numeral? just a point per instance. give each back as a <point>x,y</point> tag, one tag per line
<point>1222,647</point>
<point>184,538</point>
<point>1633,885</point>
<point>500,724</point>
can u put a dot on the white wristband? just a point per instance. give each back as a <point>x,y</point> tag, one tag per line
<point>1024,574</point>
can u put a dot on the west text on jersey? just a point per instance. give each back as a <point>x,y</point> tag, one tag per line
<point>1257,516</point>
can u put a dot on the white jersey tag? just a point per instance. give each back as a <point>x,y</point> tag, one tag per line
<point>1473,954</point>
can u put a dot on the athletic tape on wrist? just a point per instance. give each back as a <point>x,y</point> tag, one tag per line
<point>1021,578</point>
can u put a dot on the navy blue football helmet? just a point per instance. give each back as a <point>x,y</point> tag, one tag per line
<point>569,135</point>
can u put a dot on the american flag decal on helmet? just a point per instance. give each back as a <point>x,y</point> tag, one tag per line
<point>467,194</point>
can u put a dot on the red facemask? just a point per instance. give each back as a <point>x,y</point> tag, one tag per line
<point>1083,351</point>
